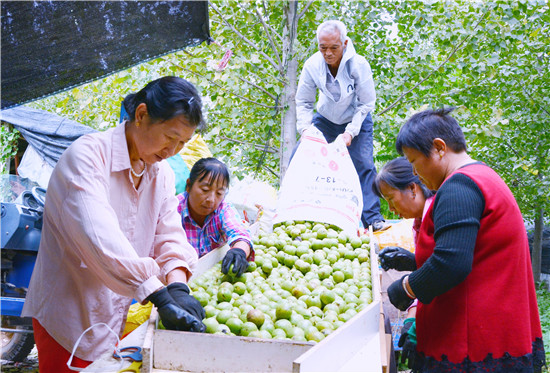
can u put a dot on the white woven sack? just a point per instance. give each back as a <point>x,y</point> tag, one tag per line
<point>321,184</point>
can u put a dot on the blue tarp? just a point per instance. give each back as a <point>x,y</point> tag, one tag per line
<point>48,133</point>
<point>181,171</point>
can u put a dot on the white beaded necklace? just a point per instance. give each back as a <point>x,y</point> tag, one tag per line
<point>141,173</point>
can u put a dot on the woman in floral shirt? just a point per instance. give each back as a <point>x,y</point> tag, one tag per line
<point>209,221</point>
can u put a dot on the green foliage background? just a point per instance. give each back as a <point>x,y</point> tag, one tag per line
<point>543,298</point>
<point>8,147</point>
<point>489,59</point>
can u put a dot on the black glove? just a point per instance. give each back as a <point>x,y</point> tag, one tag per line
<point>393,257</point>
<point>180,292</point>
<point>237,257</point>
<point>398,296</point>
<point>408,343</point>
<point>173,316</point>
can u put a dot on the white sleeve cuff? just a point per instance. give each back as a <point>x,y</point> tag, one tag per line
<point>151,285</point>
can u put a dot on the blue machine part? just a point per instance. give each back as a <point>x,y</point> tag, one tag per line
<point>20,234</point>
<point>19,227</point>
<point>17,281</point>
<point>12,306</point>
<point>20,275</point>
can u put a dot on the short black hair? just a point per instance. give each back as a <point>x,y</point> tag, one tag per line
<point>166,98</point>
<point>208,167</point>
<point>422,128</point>
<point>398,174</point>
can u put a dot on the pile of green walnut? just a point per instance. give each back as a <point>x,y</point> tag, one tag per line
<point>307,280</point>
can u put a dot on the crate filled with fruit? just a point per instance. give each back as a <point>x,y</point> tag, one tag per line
<point>308,285</point>
<point>306,281</point>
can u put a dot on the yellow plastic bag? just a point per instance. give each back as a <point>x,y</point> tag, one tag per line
<point>399,234</point>
<point>137,315</point>
<point>194,150</point>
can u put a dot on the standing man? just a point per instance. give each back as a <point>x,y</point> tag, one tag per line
<point>346,100</point>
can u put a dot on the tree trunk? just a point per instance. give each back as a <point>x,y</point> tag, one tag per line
<point>536,255</point>
<point>290,71</point>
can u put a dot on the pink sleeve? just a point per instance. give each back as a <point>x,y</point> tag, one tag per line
<point>171,248</point>
<point>95,234</point>
<point>414,304</point>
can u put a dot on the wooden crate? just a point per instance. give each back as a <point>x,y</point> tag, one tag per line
<point>358,345</point>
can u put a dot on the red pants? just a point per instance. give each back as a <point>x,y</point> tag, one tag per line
<point>52,357</point>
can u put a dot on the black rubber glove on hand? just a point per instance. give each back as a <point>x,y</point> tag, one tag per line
<point>398,296</point>
<point>172,315</point>
<point>393,257</point>
<point>180,292</point>
<point>237,257</point>
<point>408,343</point>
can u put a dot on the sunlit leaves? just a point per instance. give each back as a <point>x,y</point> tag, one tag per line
<point>8,144</point>
<point>488,58</point>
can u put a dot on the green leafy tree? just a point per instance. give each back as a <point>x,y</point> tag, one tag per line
<point>489,59</point>
<point>8,149</point>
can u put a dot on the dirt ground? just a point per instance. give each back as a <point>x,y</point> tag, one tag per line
<point>30,365</point>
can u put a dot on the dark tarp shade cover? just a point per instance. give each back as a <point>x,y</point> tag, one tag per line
<point>50,46</point>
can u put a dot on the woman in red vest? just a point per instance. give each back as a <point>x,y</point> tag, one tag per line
<point>477,308</point>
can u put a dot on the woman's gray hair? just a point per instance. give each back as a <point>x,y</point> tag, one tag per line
<point>332,26</point>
